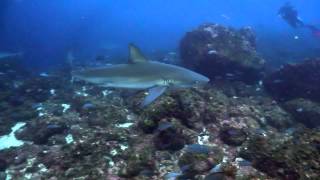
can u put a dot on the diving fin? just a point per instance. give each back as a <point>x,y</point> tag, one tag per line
<point>153,94</point>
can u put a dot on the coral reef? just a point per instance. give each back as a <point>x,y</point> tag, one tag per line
<point>215,50</point>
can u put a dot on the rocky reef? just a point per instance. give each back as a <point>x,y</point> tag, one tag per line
<point>219,51</point>
<point>83,131</point>
<point>89,132</point>
<point>293,81</point>
<point>295,156</point>
<point>304,111</point>
<point>296,87</point>
<point>66,129</point>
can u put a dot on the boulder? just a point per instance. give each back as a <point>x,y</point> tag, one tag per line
<point>304,111</point>
<point>293,81</point>
<point>285,158</point>
<point>215,50</point>
<point>233,136</point>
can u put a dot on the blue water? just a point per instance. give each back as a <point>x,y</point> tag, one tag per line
<point>45,29</point>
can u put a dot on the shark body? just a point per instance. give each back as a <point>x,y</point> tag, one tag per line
<point>141,74</point>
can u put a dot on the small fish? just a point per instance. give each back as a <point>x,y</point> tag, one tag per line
<point>212,52</point>
<point>171,176</point>
<point>44,74</point>
<point>197,148</point>
<point>243,162</point>
<point>164,126</point>
<point>217,169</point>
<point>229,74</point>
<point>225,16</point>
<point>277,81</point>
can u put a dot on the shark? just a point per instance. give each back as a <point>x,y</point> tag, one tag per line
<point>5,55</point>
<point>142,74</point>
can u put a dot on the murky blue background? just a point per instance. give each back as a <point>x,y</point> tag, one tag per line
<point>45,29</point>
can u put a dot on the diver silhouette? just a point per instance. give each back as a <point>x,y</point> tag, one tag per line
<point>290,15</point>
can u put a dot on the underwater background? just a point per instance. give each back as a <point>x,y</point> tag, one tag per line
<point>46,30</point>
<point>159,89</point>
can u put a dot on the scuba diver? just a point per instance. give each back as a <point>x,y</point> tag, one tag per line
<point>290,15</point>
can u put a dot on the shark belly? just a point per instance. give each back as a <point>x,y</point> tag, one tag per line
<point>125,83</point>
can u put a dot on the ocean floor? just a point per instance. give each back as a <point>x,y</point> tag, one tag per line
<point>54,128</point>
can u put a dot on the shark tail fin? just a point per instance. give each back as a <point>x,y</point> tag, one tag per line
<point>136,55</point>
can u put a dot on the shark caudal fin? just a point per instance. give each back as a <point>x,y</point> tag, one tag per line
<point>135,55</point>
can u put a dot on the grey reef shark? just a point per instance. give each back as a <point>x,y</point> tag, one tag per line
<point>142,74</point>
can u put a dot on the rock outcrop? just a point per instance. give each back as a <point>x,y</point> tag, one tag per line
<point>215,50</point>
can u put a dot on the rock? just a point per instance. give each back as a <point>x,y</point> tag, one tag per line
<point>137,163</point>
<point>304,111</point>
<point>258,112</point>
<point>172,176</point>
<point>3,164</point>
<point>233,136</point>
<point>285,157</point>
<point>198,149</point>
<point>295,81</point>
<point>148,126</point>
<point>169,138</point>
<point>215,50</point>
<point>215,176</point>
<point>194,108</point>
<point>5,126</point>
<point>276,116</point>
<point>3,175</point>
<point>39,132</point>
<point>192,163</point>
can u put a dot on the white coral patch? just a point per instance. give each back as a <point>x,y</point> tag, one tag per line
<point>10,140</point>
<point>124,125</point>
<point>69,139</point>
<point>65,107</point>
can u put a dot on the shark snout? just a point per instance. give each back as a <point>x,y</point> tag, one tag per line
<point>201,79</point>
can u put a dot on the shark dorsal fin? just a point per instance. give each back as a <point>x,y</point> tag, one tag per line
<point>135,55</point>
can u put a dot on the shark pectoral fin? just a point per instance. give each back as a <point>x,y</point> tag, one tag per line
<point>153,94</point>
